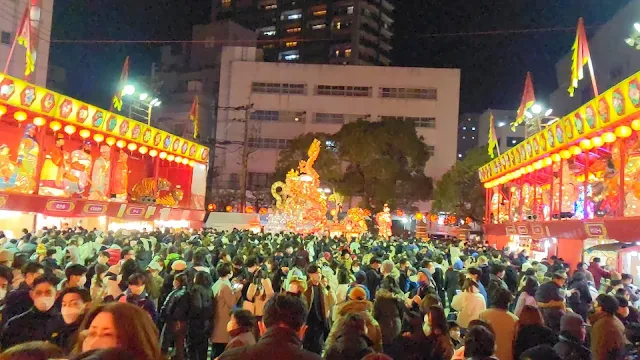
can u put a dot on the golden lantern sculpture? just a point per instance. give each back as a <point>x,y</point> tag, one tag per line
<point>121,144</point>
<point>635,124</point>
<point>556,157</point>
<point>565,154</point>
<point>132,147</point>
<point>3,110</point>
<point>623,131</point>
<point>597,141</point>
<point>419,216</point>
<point>70,129</point>
<point>55,126</point>
<point>110,141</point>
<point>84,133</point>
<point>20,116</point>
<point>143,150</point>
<point>609,137</point>
<point>153,152</point>
<point>39,121</point>
<point>162,155</point>
<point>575,150</point>
<point>586,144</point>
<point>98,138</point>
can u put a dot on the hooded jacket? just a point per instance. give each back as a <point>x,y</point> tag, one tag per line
<point>364,308</point>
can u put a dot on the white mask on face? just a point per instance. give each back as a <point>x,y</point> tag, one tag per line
<point>82,281</point>
<point>355,269</point>
<point>70,314</point>
<point>3,293</point>
<point>44,303</point>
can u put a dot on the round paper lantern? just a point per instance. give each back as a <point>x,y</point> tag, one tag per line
<point>333,212</point>
<point>3,110</point>
<point>84,133</point>
<point>263,211</point>
<point>70,129</point>
<point>143,150</point>
<point>132,147</point>
<point>211,207</point>
<point>55,126</point>
<point>548,161</point>
<point>192,163</point>
<point>419,216</point>
<point>228,208</point>
<point>185,161</point>
<point>623,131</point>
<point>597,141</point>
<point>20,116</point>
<point>565,154</point>
<point>609,137</point>
<point>586,144</point>
<point>555,157</point>
<point>121,144</point>
<point>170,157</point>
<point>98,138</point>
<point>178,159</point>
<point>635,124</point>
<point>162,155</point>
<point>537,165</point>
<point>529,168</point>
<point>249,209</point>
<point>575,150</point>
<point>153,152</point>
<point>38,121</point>
<point>110,141</point>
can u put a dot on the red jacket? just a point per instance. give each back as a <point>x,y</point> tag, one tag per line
<point>598,273</point>
<point>114,256</point>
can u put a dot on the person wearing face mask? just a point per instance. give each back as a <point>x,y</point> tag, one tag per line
<point>75,303</point>
<point>19,300</point>
<point>36,323</point>
<point>136,295</point>
<point>173,318</point>
<point>6,276</point>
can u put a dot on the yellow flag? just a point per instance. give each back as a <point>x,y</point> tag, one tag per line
<point>493,140</point>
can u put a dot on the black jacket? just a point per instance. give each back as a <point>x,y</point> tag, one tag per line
<point>451,283</point>
<point>570,349</point>
<point>278,343</point>
<point>349,346</point>
<point>176,307</point>
<point>201,311</point>
<point>532,335</point>
<point>32,325</point>
<point>373,281</point>
<point>64,335</point>
<point>17,302</point>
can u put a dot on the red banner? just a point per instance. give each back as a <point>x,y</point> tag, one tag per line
<point>66,207</point>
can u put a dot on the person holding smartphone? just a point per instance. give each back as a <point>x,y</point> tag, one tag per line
<point>226,295</point>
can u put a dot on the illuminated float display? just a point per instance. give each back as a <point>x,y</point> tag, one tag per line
<point>61,158</point>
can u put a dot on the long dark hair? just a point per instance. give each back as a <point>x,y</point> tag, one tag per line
<point>439,323</point>
<point>530,286</point>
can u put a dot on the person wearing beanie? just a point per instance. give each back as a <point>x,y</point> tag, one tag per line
<point>389,278</point>
<point>571,342</point>
<point>358,303</point>
<point>425,287</point>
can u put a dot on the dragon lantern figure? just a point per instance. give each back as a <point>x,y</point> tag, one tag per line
<point>355,222</point>
<point>298,198</point>
<point>383,219</point>
<point>150,191</point>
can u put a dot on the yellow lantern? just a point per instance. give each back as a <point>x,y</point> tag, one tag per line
<point>565,154</point>
<point>3,110</point>
<point>70,129</point>
<point>555,157</point>
<point>132,147</point>
<point>121,144</point>
<point>110,141</point>
<point>597,141</point>
<point>178,159</point>
<point>143,150</point>
<point>609,137</point>
<point>185,161</point>
<point>548,161</point>
<point>55,126</point>
<point>153,152</point>
<point>537,165</point>
<point>20,116</point>
<point>586,144</point>
<point>623,131</point>
<point>529,168</point>
<point>170,157</point>
<point>192,163</point>
<point>575,150</point>
<point>635,124</point>
<point>228,208</point>
<point>418,216</point>
<point>163,155</point>
<point>98,138</point>
<point>38,121</point>
<point>84,133</point>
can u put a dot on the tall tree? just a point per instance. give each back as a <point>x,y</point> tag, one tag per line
<point>459,190</point>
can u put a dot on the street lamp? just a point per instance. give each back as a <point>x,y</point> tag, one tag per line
<point>141,103</point>
<point>634,39</point>
<point>535,116</point>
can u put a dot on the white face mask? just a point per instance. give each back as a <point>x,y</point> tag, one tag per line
<point>44,303</point>
<point>70,314</point>
<point>355,269</point>
<point>82,281</point>
<point>3,293</point>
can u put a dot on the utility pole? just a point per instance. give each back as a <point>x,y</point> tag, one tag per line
<point>245,158</point>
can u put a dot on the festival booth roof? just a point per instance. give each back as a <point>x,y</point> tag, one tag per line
<point>229,221</point>
<point>616,106</point>
<point>65,111</point>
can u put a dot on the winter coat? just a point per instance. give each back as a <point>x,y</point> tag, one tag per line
<point>241,337</point>
<point>348,346</point>
<point>532,335</point>
<point>64,335</point>
<point>201,311</point>
<point>505,325</point>
<point>259,296</point>
<point>278,343</point>
<point>32,325</point>
<point>364,308</point>
<point>607,336</point>
<point>598,273</point>
<point>580,301</point>
<point>225,300</point>
<point>17,302</point>
<point>373,281</point>
<point>389,312</point>
<point>451,283</point>
<point>469,306</point>
<point>142,301</point>
<point>418,346</point>
<point>175,307</point>
<point>569,348</point>
<point>494,284</point>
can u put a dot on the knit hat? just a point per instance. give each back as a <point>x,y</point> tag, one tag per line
<point>179,265</point>
<point>458,265</point>
<point>572,323</point>
<point>357,292</point>
<point>41,249</point>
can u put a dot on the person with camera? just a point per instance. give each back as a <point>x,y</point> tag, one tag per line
<point>258,292</point>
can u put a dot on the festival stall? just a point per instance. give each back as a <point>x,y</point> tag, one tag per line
<point>65,162</point>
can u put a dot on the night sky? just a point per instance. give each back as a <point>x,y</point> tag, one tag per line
<point>493,66</point>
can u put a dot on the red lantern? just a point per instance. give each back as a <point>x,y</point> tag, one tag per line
<point>211,207</point>
<point>229,208</point>
<point>263,211</point>
<point>249,209</point>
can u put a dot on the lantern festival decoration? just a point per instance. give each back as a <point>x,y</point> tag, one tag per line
<point>383,219</point>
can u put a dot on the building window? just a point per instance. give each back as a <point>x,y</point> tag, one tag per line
<point>271,7</point>
<point>226,3</point>
<point>265,115</point>
<point>425,122</point>
<point>350,10</point>
<point>336,90</point>
<point>473,128</point>
<point>234,181</point>
<point>294,30</point>
<point>269,46</point>
<point>514,140</point>
<point>459,155</point>
<point>347,52</point>
<point>259,180</point>
<point>291,15</point>
<point>464,128</point>
<point>194,85</point>
<point>431,150</point>
<point>267,143</point>
<point>292,57</point>
<point>320,13</point>
<point>318,26</point>
<point>210,42</point>
<point>6,38</point>
<point>326,118</point>
<point>269,33</point>
<point>291,43</point>
<point>276,88</point>
<point>409,93</point>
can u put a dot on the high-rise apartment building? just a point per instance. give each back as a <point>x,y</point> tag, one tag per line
<point>354,32</point>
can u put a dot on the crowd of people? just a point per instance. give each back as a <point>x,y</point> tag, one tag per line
<point>78,294</point>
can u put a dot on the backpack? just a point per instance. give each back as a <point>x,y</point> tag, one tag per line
<point>203,304</point>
